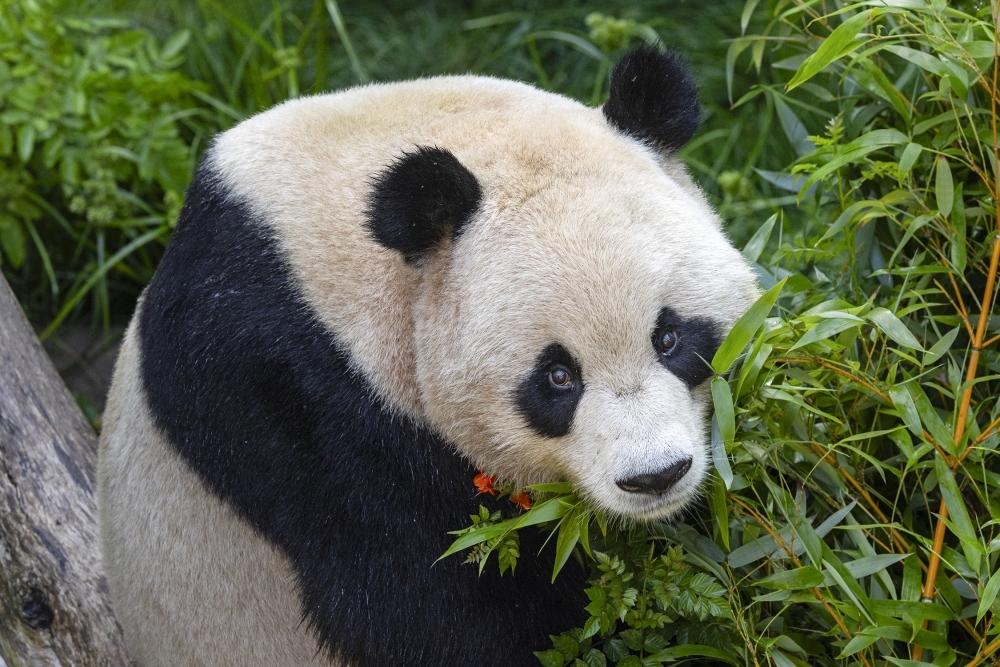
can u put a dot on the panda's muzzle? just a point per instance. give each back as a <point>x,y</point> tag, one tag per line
<point>656,483</point>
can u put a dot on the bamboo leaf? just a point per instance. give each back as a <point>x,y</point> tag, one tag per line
<point>921,59</point>
<point>719,507</point>
<point>569,535</point>
<point>909,158</point>
<point>894,328</point>
<point>944,187</point>
<point>745,328</point>
<point>722,398</point>
<point>825,329</point>
<point>903,402</point>
<point>915,610</point>
<point>989,595</point>
<point>753,248</point>
<point>747,14</point>
<point>957,512</point>
<point>940,348</point>
<point>719,456</point>
<point>689,650</point>
<point>841,41</point>
<point>793,580</point>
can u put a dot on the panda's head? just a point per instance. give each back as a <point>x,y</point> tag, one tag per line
<point>573,288</point>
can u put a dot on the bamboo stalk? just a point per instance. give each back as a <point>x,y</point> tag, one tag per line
<point>929,589</point>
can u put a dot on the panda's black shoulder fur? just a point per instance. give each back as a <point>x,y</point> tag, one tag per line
<point>653,98</point>
<point>259,398</point>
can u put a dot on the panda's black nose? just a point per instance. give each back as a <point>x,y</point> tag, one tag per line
<point>657,482</point>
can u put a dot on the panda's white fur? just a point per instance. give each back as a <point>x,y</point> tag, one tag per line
<point>582,236</point>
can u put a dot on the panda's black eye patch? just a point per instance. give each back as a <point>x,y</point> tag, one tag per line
<point>685,347</point>
<point>548,396</point>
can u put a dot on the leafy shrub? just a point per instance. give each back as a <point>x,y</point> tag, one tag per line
<point>98,138</point>
<point>852,518</point>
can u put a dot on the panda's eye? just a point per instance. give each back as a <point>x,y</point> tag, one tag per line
<point>666,343</point>
<point>560,377</point>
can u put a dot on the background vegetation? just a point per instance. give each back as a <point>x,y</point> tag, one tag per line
<point>853,148</point>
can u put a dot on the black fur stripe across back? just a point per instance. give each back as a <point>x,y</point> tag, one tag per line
<point>258,398</point>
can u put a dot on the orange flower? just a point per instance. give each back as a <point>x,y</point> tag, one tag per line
<point>522,499</point>
<point>484,483</point>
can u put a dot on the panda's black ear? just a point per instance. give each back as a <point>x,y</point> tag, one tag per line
<point>420,198</point>
<point>654,98</point>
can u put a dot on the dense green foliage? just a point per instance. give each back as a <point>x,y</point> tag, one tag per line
<point>857,489</point>
<point>93,160</point>
<point>851,516</point>
<point>85,225</point>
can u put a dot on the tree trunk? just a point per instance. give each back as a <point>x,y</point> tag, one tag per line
<point>54,602</point>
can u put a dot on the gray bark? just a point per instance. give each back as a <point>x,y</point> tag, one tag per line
<point>54,602</point>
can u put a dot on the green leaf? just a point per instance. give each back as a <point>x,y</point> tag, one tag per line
<point>720,458</point>
<point>690,650</point>
<point>795,131</point>
<point>595,658</point>
<point>550,658</point>
<point>915,610</point>
<point>745,328</point>
<point>569,535</point>
<point>857,149</point>
<point>903,402</point>
<point>175,44</point>
<point>630,661</point>
<point>841,41</point>
<point>719,508</point>
<point>793,580</point>
<point>869,565</point>
<point>747,14</point>
<point>848,215</point>
<point>549,510</point>
<point>922,60</point>
<point>894,328</point>
<point>958,239</point>
<point>909,158</point>
<point>553,487</point>
<point>753,248</point>
<point>722,398</point>
<point>857,643</point>
<point>958,514</point>
<point>823,330</point>
<point>940,348</point>
<point>565,645</point>
<point>13,240</point>
<point>781,660</point>
<point>989,596</point>
<point>944,187</point>
<point>25,141</point>
<point>930,419</point>
<point>632,638</point>
<point>615,649</point>
<point>912,583</point>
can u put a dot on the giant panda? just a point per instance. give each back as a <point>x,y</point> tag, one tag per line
<point>368,296</point>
